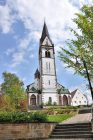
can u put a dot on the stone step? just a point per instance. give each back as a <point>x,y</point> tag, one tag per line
<point>77,130</point>
<point>84,110</point>
<point>63,127</point>
<point>69,139</point>
<point>70,132</point>
<point>72,136</point>
<point>71,129</point>
<point>73,126</point>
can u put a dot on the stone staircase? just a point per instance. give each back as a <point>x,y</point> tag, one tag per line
<point>69,131</point>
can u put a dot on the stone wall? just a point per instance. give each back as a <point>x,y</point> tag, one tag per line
<point>25,130</point>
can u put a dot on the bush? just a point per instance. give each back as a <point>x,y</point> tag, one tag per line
<point>54,111</point>
<point>39,117</point>
<point>19,117</point>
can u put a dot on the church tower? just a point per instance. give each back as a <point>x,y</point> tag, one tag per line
<point>47,68</point>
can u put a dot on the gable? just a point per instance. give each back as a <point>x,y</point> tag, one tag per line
<point>30,86</point>
<point>47,41</point>
<point>79,95</point>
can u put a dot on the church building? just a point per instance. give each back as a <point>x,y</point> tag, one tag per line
<point>45,89</point>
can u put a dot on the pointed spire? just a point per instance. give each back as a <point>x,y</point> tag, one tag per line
<point>37,74</point>
<point>45,33</point>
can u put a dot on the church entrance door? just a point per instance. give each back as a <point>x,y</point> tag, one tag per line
<point>33,100</point>
<point>65,100</point>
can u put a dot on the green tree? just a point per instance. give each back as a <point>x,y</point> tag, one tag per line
<point>13,87</point>
<point>79,52</point>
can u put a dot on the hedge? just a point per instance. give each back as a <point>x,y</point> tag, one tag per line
<point>22,117</point>
<point>51,111</point>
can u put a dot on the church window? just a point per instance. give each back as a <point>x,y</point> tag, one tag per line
<point>33,99</point>
<point>49,66</point>
<point>46,66</point>
<point>49,82</point>
<point>50,101</point>
<point>47,54</point>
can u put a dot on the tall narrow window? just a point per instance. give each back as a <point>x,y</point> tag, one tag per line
<point>49,82</point>
<point>47,54</point>
<point>49,66</point>
<point>46,67</point>
<point>50,101</point>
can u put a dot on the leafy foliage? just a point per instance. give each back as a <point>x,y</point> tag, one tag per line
<point>19,117</point>
<point>80,49</point>
<point>13,91</point>
<point>58,111</point>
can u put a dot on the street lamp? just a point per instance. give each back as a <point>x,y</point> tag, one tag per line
<point>90,85</point>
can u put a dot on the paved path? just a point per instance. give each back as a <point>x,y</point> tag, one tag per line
<point>79,118</point>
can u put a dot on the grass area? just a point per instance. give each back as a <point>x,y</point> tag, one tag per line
<point>59,118</point>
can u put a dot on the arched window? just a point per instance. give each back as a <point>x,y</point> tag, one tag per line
<point>50,101</point>
<point>33,99</point>
<point>47,54</point>
<point>65,100</point>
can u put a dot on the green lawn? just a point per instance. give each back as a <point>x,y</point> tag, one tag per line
<point>58,118</point>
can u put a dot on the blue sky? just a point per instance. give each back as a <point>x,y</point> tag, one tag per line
<point>21,23</point>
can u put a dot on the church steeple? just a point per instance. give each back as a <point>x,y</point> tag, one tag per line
<point>37,74</point>
<point>45,34</point>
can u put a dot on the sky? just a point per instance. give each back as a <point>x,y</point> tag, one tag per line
<point>21,23</point>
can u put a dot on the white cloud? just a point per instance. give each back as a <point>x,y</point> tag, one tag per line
<point>57,13</point>
<point>17,58</point>
<point>9,51</point>
<point>6,19</point>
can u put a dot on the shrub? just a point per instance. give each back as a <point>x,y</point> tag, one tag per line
<point>39,117</point>
<point>19,117</point>
<point>54,111</point>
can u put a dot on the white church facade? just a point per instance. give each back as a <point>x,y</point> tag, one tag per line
<point>45,89</point>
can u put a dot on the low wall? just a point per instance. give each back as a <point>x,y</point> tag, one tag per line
<point>25,130</point>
